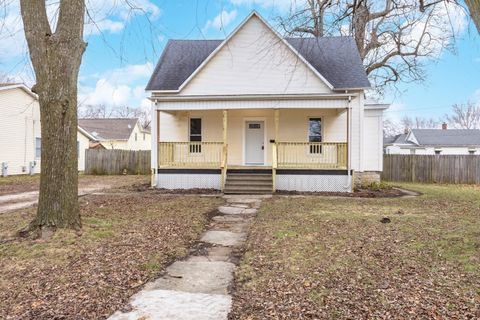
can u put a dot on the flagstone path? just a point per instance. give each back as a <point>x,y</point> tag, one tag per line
<point>198,286</point>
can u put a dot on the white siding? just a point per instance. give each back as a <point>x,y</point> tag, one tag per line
<point>373,140</point>
<point>142,141</point>
<point>19,126</point>
<point>293,126</point>
<point>83,144</point>
<point>398,149</point>
<point>255,61</point>
<point>253,104</point>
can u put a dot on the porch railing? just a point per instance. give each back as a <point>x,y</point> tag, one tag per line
<point>311,155</point>
<point>190,154</point>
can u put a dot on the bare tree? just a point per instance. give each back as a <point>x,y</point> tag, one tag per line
<point>472,5</point>
<point>4,78</point>
<point>419,123</point>
<point>128,112</point>
<point>394,38</point>
<point>391,128</point>
<point>56,57</point>
<point>474,9</point>
<point>464,116</point>
<point>102,111</point>
<point>311,18</point>
<point>95,111</point>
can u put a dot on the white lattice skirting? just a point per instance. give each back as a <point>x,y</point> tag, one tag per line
<point>189,181</point>
<point>313,183</point>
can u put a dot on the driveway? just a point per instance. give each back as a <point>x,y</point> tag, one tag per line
<point>87,184</point>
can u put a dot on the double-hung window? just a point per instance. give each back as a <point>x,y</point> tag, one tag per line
<point>315,135</point>
<point>195,135</point>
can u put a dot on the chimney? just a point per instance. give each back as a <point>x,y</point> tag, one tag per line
<point>406,130</point>
<point>444,126</point>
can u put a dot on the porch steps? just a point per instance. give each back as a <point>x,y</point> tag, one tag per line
<point>248,183</point>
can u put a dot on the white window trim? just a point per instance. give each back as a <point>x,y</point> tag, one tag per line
<point>322,123</point>
<point>193,154</point>
<point>40,156</point>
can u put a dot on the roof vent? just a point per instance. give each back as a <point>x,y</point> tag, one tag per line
<point>94,133</point>
<point>129,127</point>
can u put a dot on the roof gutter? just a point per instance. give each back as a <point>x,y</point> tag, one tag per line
<point>339,96</point>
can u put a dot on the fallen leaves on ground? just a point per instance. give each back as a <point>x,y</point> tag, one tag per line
<point>332,258</point>
<point>126,241</point>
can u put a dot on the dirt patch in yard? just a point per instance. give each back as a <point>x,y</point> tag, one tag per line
<point>146,187</point>
<point>126,241</point>
<point>358,193</point>
<point>333,258</point>
<point>26,183</point>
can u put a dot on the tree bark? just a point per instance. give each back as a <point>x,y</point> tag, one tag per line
<point>56,59</point>
<point>474,8</point>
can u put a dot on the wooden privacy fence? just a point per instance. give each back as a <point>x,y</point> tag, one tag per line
<point>432,168</point>
<point>117,162</point>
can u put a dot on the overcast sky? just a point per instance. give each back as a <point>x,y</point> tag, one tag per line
<point>124,48</point>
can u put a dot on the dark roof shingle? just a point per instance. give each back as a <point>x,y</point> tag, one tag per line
<point>335,58</point>
<point>449,137</point>
<point>109,129</point>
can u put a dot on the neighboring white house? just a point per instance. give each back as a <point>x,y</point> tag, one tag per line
<point>256,113</point>
<point>20,132</point>
<point>118,133</point>
<point>435,141</point>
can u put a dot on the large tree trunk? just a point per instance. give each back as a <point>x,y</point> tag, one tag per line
<point>56,59</point>
<point>474,8</point>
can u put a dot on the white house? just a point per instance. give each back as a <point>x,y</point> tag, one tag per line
<point>256,113</point>
<point>118,133</point>
<point>435,141</point>
<point>20,132</point>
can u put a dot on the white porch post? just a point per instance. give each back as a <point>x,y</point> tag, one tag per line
<point>224,149</point>
<point>275,151</point>
<point>155,138</point>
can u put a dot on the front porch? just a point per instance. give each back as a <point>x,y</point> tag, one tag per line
<point>281,143</point>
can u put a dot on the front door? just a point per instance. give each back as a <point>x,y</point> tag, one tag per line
<point>254,143</point>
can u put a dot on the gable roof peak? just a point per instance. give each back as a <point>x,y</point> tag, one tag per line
<point>182,60</point>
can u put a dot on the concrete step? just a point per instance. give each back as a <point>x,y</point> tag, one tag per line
<point>248,192</point>
<point>248,189</point>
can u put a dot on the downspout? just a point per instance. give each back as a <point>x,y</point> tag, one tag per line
<point>348,186</point>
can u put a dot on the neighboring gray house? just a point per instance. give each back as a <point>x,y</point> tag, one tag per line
<point>435,141</point>
<point>118,133</point>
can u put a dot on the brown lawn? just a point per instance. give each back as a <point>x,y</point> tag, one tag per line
<point>332,258</point>
<point>25,183</point>
<point>127,239</point>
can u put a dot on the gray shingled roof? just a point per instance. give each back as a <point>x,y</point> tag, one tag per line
<point>449,137</point>
<point>335,58</point>
<point>109,129</point>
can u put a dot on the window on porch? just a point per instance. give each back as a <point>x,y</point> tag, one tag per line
<point>315,135</point>
<point>195,135</point>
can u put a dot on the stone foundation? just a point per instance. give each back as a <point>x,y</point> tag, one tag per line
<point>365,178</point>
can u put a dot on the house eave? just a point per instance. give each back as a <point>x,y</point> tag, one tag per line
<point>252,97</point>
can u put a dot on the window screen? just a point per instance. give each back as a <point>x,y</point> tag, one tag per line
<point>195,135</point>
<point>315,134</point>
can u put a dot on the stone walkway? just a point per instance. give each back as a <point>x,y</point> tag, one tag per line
<point>198,286</point>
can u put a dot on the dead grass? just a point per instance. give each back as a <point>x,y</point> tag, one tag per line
<point>325,258</point>
<point>25,183</point>
<point>126,240</point>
